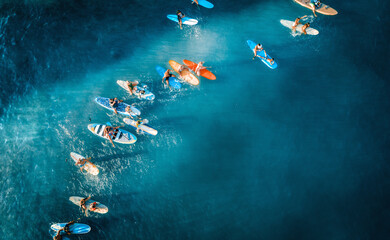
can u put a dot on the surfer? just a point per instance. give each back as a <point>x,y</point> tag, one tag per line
<point>195,1</point>
<point>93,207</point>
<point>114,103</point>
<point>180,15</point>
<point>66,228</point>
<point>296,23</point>
<point>166,76</point>
<point>82,163</point>
<point>258,47</point>
<point>130,112</point>
<point>315,4</point>
<point>304,28</point>
<point>58,235</point>
<point>82,204</point>
<point>110,133</point>
<point>199,67</point>
<point>131,86</point>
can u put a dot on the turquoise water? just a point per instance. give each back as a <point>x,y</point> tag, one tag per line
<point>293,153</point>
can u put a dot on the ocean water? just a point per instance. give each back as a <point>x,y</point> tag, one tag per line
<point>300,152</point>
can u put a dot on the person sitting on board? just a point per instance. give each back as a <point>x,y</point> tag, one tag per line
<point>130,112</point>
<point>296,23</point>
<point>139,122</point>
<point>93,207</point>
<point>131,86</point>
<point>180,15</point>
<point>166,76</point>
<point>82,162</point>
<point>66,228</point>
<point>110,133</point>
<point>258,47</point>
<point>304,28</point>
<point>315,4</point>
<point>181,69</point>
<point>114,103</point>
<point>82,204</point>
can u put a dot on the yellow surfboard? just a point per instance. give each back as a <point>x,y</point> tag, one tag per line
<point>186,75</point>
<point>324,9</point>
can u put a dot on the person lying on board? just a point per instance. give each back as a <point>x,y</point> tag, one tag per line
<point>114,102</point>
<point>82,162</point>
<point>166,76</point>
<point>66,228</point>
<point>296,23</point>
<point>315,4</point>
<point>304,28</point>
<point>199,67</point>
<point>180,15</point>
<point>110,133</point>
<point>137,124</point>
<point>258,47</point>
<point>131,85</point>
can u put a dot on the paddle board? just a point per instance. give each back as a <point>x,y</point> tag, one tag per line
<point>75,228</point>
<point>122,136</point>
<point>173,82</point>
<point>203,72</point>
<point>100,208</point>
<point>143,127</point>
<point>105,102</point>
<point>137,90</point>
<point>204,3</point>
<point>252,45</point>
<point>186,75</point>
<point>289,24</point>
<point>90,168</point>
<point>323,9</point>
<point>185,20</point>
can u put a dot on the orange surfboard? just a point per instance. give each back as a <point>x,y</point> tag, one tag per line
<point>186,75</point>
<point>203,72</point>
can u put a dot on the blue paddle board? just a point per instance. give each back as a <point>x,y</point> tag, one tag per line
<point>205,3</point>
<point>252,45</point>
<point>173,82</point>
<point>185,20</point>
<point>75,228</point>
<point>105,102</point>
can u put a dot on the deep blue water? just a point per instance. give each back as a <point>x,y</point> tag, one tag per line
<point>300,152</point>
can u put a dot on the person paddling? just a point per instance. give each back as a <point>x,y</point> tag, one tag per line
<point>82,162</point>
<point>114,103</point>
<point>314,5</point>
<point>296,23</point>
<point>180,16</point>
<point>67,226</point>
<point>258,47</point>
